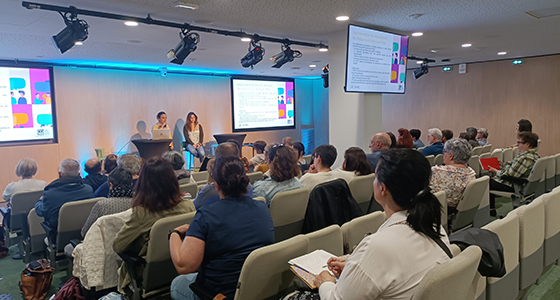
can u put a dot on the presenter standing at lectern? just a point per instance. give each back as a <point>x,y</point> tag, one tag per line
<point>162,124</point>
<point>194,136</point>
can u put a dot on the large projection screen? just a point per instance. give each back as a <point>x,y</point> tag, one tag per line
<point>26,105</point>
<point>375,61</point>
<point>262,104</point>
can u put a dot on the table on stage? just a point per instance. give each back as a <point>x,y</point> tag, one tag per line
<point>149,148</point>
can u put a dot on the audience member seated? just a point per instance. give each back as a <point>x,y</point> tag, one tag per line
<point>118,200</point>
<point>26,169</point>
<point>129,162</point>
<point>482,136</point>
<point>355,164</point>
<point>157,196</point>
<point>394,143</point>
<point>109,164</point>
<point>446,135</point>
<point>221,236</point>
<point>472,132</point>
<point>405,139</point>
<point>177,162</point>
<point>436,146</point>
<point>520,167</point>
<point>94,177</point>
<point>379,141</point>
<point>524,125</point>
<point>320,171</point>
<point>69,187</point>
<point>239,146</point>
<point>264,168</point>
<point>209,194</point>
<point>302,163</point>
<point>390,263</point>
<point>258,158</point>
<point>288,141</point>
<point>416,133</point>
<point>455,175</point>
<point>283,174</point>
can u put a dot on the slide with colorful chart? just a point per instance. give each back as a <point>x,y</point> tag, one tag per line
<point>375,61</point>
<point>262,104</point>
<point>25,104</point>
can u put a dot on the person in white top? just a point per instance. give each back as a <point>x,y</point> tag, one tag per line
<point>26,169</point>
<point>194,136</point>
<point>390,263</point>
<point>355,164</point>
<point>323,158</point>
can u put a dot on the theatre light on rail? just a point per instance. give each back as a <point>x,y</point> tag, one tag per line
<point>75,33</point>
<point>186,46</point>
<point>287,55</point>
<point>255,55</point>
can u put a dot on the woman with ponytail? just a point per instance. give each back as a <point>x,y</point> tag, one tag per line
<point>390,263</point>
<point>221,235</point>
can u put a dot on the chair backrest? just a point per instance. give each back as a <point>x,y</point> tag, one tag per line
<point>255,176</point>
<point>287,210</point>
<point>431,159</point>
<point>515,152</point>
<point>200,176</point>
<point>266,272</point>
<point>160,271</point>
<point>536,179</point>
<point>477,150</point>
<point>262,199</point>
<point>557,164</point>
<point>36,235</point>
<point>506,287</point>
<point>531,239</point>
<point>468,207</point>
<point>482,216</point>
<point>507,154</point>
<point>487,148</point>
<point>438,160</point>
<point>485,155</point>
<point>354,231</point>
<point>72,217</point>
<point>551,226</point>
<point>21,204</point>
<point>442,198</point>
<point>307,158</point>
<point>498,153</point>
<point>474,163</point>
<point>420,148</point>
<point>458,273</point>
<point>191,188</point>
<point>550,173</point>
<point>361,188</point>
<point>328,239</point>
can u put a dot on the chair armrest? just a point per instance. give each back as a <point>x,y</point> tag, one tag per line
<point>5,212</point>
<point>132,262</point>
<point>75,242</point>
<point>205,293</point>
<point>514,180</point>
<point>50,231</point>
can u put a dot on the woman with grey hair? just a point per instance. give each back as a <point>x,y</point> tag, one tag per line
<point>177,161</point>
<point>454,176</point>
<point>26,169</point>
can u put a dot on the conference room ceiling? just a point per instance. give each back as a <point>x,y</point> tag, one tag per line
<point>490,26</point>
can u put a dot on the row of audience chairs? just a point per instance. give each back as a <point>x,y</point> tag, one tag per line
<point>201,179</point>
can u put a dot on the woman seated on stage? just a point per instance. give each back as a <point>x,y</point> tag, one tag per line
<point>390,263</point>
<point>221,235</point>
<point>162,124</point>
<point>194,136</point>
<point>355,164</point>
<point>283,174</point>
<point>156,196</point>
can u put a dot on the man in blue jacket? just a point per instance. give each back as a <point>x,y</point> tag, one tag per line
<point>69,187</point>
<point>436,146</point>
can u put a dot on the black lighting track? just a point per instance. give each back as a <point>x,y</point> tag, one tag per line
<point>150,21</point>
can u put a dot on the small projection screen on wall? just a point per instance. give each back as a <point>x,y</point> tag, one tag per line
<point>26,105</point>
<point>262,103</point>
<point>375,61</point>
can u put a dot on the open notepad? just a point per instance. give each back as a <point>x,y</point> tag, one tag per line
<point>308,266</point>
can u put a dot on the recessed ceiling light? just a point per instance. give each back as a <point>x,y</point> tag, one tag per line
<point>342,18</point>
<point>419,62</point>
<point>466,45</point>
<point>312,66</point>
<point>433,51</point>
<point>502,53</point>
<point>418,34</point>
<point>415,16</point>
<point>131,23</point>
<point>246,39</point>
<point>183,4</point>
<point>78,43</point>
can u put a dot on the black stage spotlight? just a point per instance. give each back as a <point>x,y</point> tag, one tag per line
<point>287,55</point>
<point>420,71</point>
<point>254,56</point>
<point>186,46</point>
<point>325,76</point>
<point>76,31</point>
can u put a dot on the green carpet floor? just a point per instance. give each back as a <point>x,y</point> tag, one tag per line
<point>10,271</point>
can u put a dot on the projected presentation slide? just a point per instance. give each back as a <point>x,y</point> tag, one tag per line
<point>262,105</point>
<point>376,61</point>
<point>25,105</point>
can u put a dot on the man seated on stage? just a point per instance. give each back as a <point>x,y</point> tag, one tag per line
<point>69,187</point>
<point>436,146</point>
<point>208,194</point>
<point>323,158</point>
<point>129,162</point>
<point>378,142</point>
<point>520,167</point>
<point>94,177</point>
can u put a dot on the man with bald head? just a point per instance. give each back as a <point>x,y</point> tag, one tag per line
<point>94,177</point>
<point>68,187</point>
<point>378,142</point>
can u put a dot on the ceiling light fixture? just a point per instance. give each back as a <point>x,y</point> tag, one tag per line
<point>186,5</point>
<point>246,39</point>
<point>466,45</point>
<point>342,18</point>
<point>323,48</point>
<point>287,55</point>
<point>78,43</point>
<point>312,66</point>
<point>502,53</point>
<point>254,56</point>
<point>186,46</point>
<point>418,34</point>
<point>420,71</point>
<point>76,31</point>
<point>131,23</point>
<point>419,62</point>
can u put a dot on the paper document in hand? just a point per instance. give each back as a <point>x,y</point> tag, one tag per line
<point>314,262</point>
